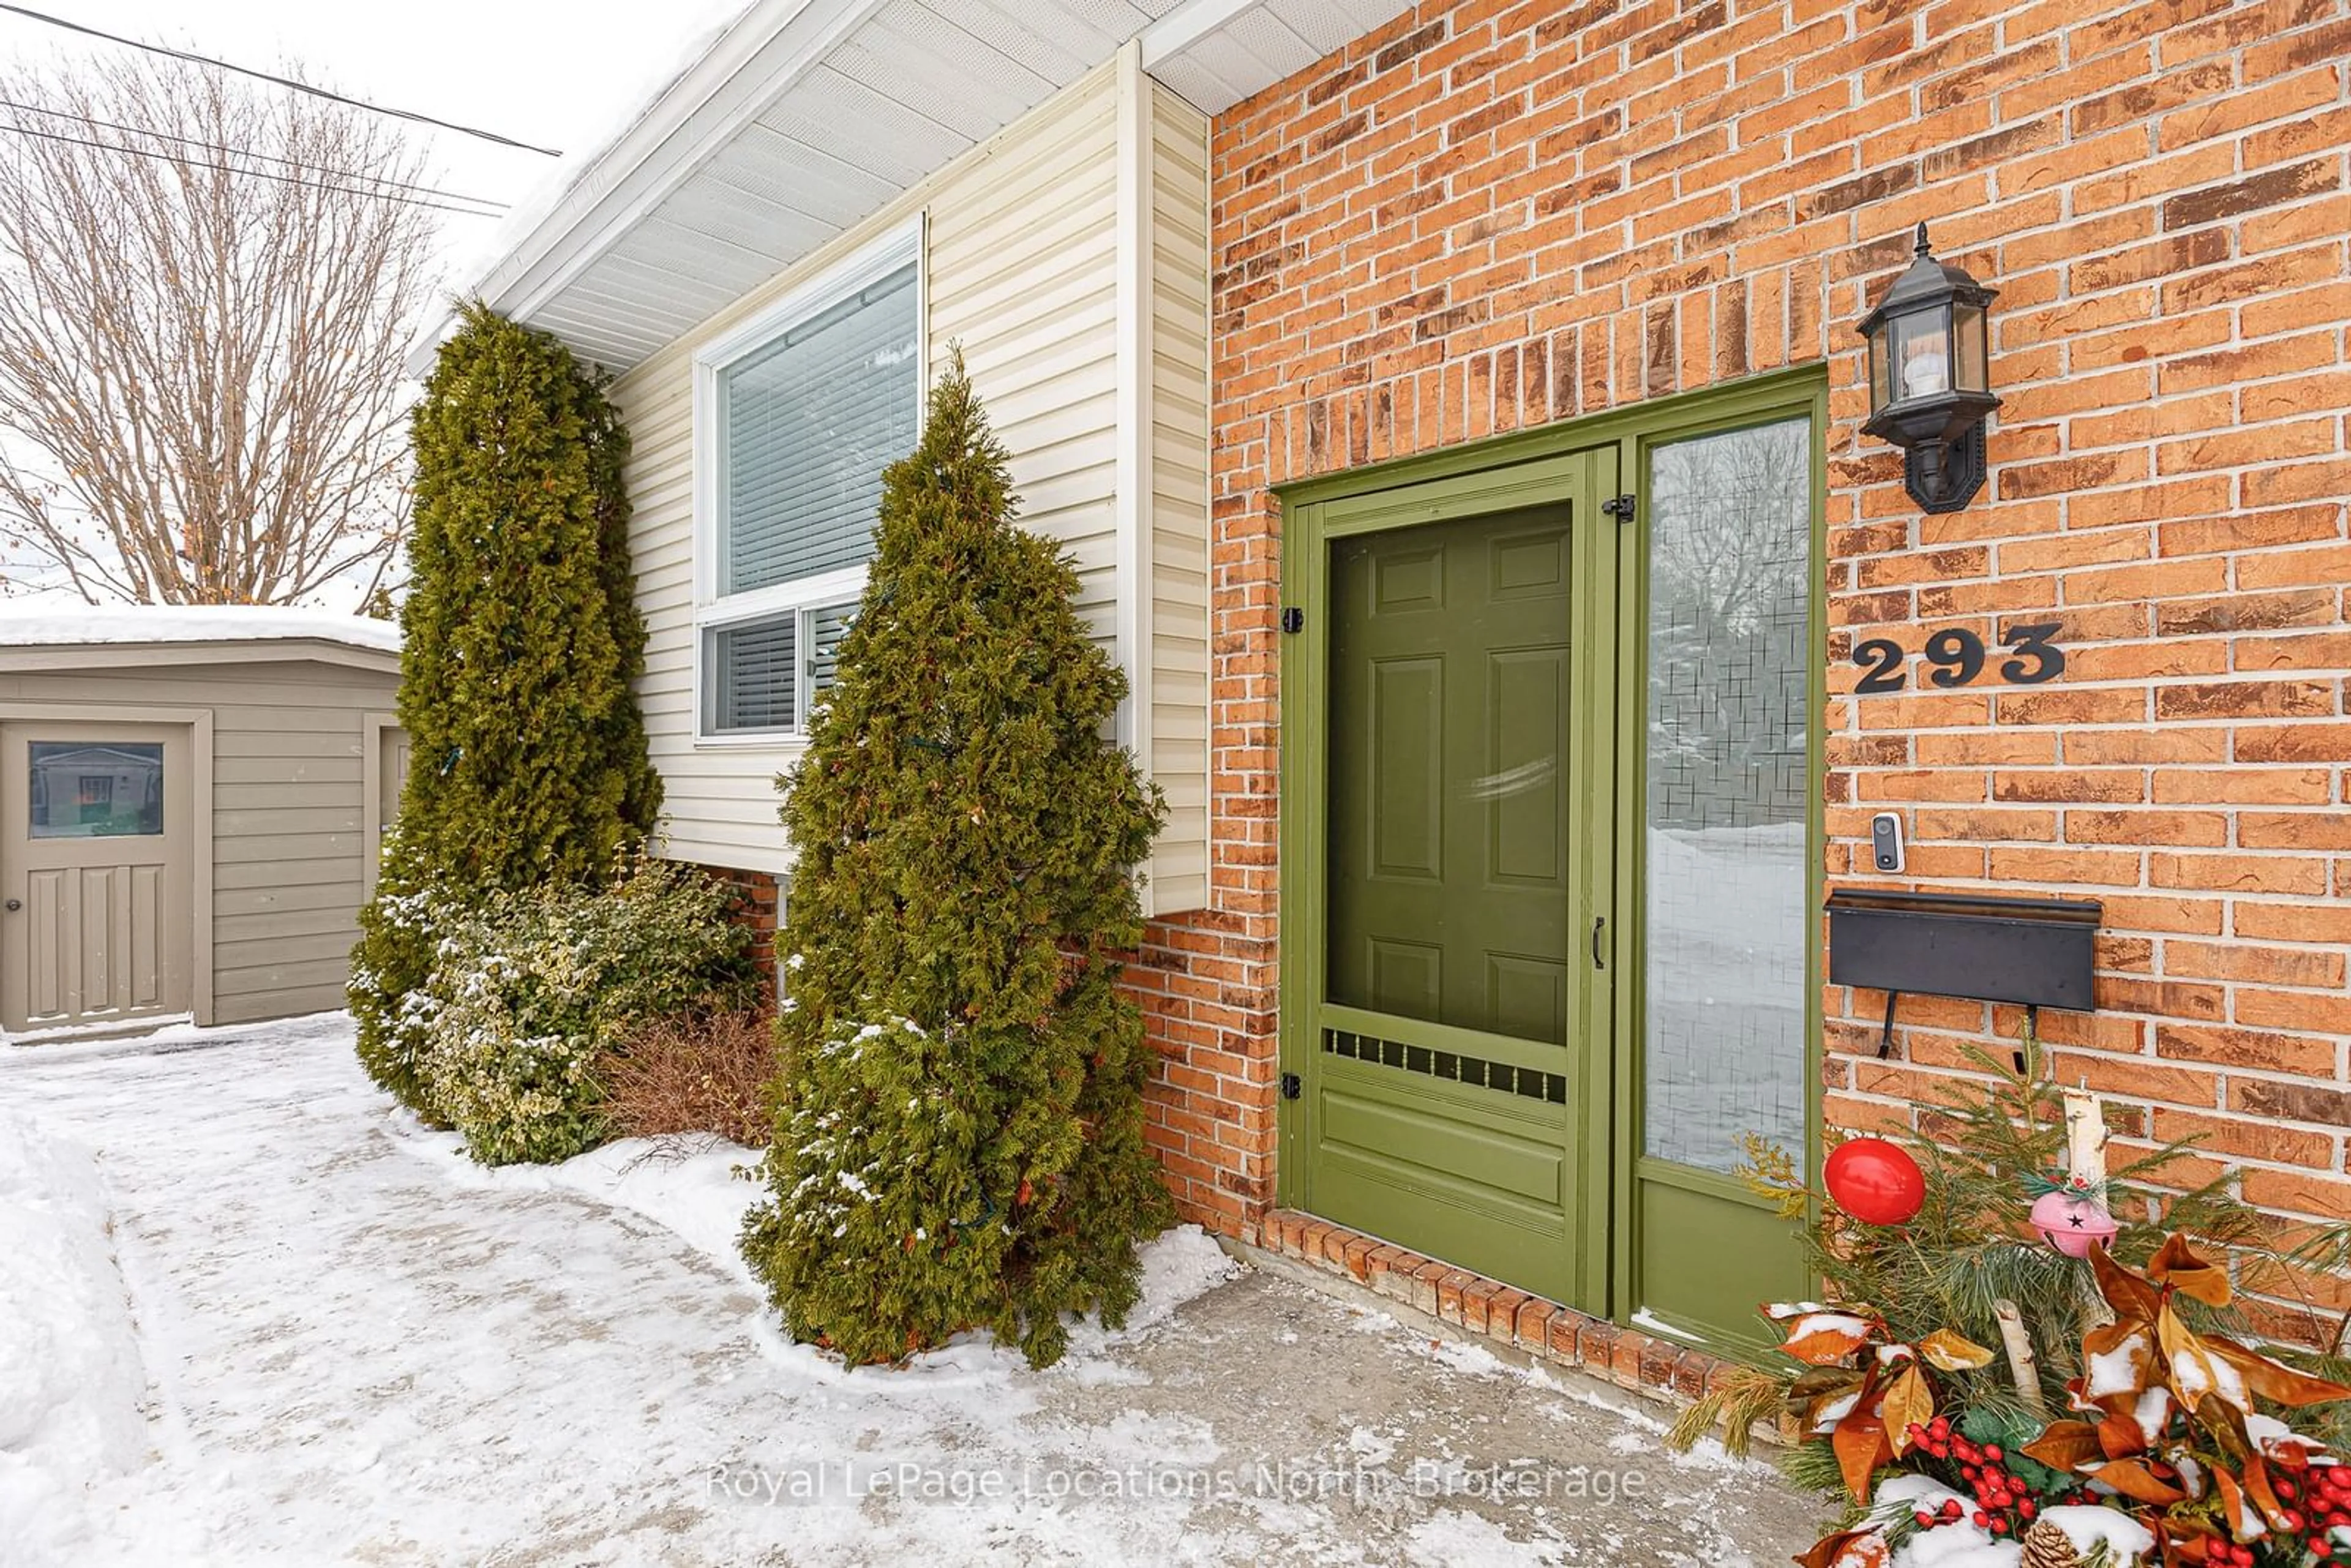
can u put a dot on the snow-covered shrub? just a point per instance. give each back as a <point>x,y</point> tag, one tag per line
<point>403,924</point>
<point>519,637</point>
<point>530,991</point>
<point>704,1072</point>
<point>962,1075</point>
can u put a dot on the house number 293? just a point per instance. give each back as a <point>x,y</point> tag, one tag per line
<point>1957,657</point>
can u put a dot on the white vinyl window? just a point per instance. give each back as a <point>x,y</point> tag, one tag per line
<point>796,416</point>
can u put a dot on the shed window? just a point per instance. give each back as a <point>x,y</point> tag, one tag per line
<point>81,790</point>
<point>802,419</point>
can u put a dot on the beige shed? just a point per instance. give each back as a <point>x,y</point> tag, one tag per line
<point>191,804</point>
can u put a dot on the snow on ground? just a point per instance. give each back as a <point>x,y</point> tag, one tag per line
<point>251,1312</point>
<point>71,1385</point>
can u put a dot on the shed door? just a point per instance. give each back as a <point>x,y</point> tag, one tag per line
<point>395,775</point>
<point>96,873</point>
<point>391,775</point>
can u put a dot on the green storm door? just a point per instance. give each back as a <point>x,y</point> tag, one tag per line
<point>1450,1065</point>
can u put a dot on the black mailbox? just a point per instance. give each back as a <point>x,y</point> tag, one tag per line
<point>2041,952</point>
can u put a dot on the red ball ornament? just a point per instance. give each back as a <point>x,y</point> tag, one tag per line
<point>1876,1182</point>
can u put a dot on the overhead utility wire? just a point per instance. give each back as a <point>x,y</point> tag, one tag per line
<point>249,174</point>
<point>245,153</point>
<point>281,81</point>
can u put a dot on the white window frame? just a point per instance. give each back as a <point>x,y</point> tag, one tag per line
<point>804,596</point>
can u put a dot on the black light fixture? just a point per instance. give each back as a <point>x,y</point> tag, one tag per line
<point>1928,386</point>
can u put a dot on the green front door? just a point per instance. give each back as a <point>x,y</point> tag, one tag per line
<point>1450,1041</point>
<point>1550,855</point>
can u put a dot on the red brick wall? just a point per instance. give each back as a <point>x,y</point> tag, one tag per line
<point>1492,215</point>
<point>756,909</point>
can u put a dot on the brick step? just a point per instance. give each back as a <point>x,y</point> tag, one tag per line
<point>1531,1324</point>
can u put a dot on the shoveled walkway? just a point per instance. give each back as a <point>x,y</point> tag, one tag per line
<point>357,1348</point>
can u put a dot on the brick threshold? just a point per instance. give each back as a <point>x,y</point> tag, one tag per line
<point>1546,1329</point>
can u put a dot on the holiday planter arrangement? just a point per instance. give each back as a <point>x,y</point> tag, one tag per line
<point>2026,1362</point>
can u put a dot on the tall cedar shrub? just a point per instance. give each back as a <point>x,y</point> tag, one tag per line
<point>520,635</point>
<point>960,1124</point>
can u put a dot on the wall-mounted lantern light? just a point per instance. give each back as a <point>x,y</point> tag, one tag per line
<point>1928,391</point>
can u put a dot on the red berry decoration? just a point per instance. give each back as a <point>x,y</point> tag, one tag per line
<point>1876,1182</point>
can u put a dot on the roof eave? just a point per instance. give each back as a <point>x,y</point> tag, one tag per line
<point>692,118</point>
<point>28,657</point>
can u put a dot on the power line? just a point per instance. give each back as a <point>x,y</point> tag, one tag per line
<point>281,81</point>
<point>249,174</point>
<point>246,152</point>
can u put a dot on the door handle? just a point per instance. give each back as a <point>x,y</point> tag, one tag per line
<point>14,904</point>
<point>1599,923</point>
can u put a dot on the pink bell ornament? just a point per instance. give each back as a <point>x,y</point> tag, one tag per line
<point>2072,1221</point>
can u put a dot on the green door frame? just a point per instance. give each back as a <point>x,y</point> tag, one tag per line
<point>1491,476</point>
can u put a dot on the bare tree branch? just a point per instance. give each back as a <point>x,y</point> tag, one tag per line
<point>201,394</point>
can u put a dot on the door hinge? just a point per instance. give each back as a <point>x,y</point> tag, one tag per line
<point>1292,1086</point>
<point>1293,619</point>
<point>1619,507</point>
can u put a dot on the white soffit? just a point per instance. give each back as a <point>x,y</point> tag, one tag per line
<point>1255,44</point>
<point>804,117</point>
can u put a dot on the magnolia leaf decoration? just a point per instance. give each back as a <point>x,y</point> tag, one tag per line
<point>1868,1410</point>
<point>2175,1267</point>
<point>2274,1381</point>
<point>1861,1446</point>
<point>2132,1298</point>
<point>2133,1479</point>
<point>2196,1371</point>
<point>1908,1402</point>
<point>1822,1336</point>
<point>1848,1548</point>
<point>2175,1411</point>
<point>2068,1445</point>
<point>1946,1352</point>
<point>1821,1396</point>
<point>2233,1503</point>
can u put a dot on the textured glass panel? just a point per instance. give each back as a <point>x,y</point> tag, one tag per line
<point>807,423</point>
<point>1729,659</point>
<point>750,672</point>
<point>84,789</point>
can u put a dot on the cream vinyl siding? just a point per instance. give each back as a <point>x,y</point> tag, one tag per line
<point>1023,273</point>
<point>288,806</point>
<point>1177,728</point>
<point>1020,253</point>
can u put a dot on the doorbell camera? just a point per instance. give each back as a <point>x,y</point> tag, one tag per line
<point>1886,840</point>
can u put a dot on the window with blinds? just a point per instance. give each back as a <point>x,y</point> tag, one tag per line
<point>804,422</point>
<point>807,426</point>
<point>755,670</point>
<point>751,673</point>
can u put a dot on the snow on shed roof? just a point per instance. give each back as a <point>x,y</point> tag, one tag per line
<point>37,624</point>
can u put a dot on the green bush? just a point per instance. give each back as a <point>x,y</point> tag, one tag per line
<point>960,1131</point>
<point>519,638</point>
<point>530,991</point>
<point>401,929</point>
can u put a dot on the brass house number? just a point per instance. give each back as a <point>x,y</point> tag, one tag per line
<point>1957,657</point>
